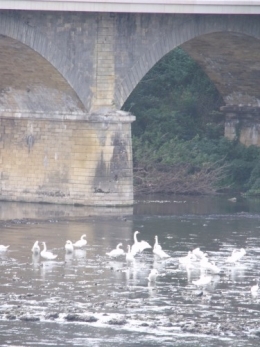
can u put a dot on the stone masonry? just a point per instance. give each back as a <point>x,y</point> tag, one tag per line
<point>64,76</point>
<point>69,161</point>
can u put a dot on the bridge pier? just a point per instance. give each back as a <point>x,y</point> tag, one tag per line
<point>66,158</point>
<point>242,122</point>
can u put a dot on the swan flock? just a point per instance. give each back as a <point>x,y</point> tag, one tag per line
<point>195,258</point>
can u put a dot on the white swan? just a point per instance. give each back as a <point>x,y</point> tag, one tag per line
<point>156,244</point>
<point>36,248</point>
<point>152,275</point>
<point>80,243</point>
<point>198,253</point>
<point>69,248</point>
<point>188,259</point>
<point>139,246</point>
<point>236,255</point>
<point>157,249</point>
<point>209,266</point>
<point>129,256</point>
<point>254,289</point>
<point>202,281</point>
<point>47,254</point>
<point>4,248</point>
<point>116,252</point>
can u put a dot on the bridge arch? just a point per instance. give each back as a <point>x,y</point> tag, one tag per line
<point>51,149</point>
<point>103,56</point>
<point>36,32</point>
<point>29,83</point>
<point>223,45</point>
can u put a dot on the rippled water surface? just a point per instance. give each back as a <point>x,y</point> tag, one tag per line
<point>88,299</point>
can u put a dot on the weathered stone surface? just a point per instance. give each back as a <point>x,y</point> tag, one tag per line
<point>243,122</point>
<point>242,110</point>
<point>95,60</point>
<point>231,60</point>
<point>65,161</point>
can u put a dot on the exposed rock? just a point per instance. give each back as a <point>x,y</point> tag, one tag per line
<point>53,315</point>
<point>117,321</point>
<point>29,318</point>
<point>144,325</point>
<point>74,317</point>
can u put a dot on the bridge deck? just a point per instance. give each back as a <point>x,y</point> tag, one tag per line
<point>138,6</point>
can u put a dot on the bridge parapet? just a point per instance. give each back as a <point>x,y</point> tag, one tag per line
<point>138,6</point>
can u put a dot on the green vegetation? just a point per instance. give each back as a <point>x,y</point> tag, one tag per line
<point>178,137</point>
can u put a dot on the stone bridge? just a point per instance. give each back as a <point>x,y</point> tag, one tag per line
<point>64,77</point>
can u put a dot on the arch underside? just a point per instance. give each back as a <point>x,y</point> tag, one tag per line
<point>29,83</point>
<point>232,62</point>
<point>45,67</point>
<point>226,47</point>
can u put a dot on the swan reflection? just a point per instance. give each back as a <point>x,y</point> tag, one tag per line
<point>36,260</point>
<point>68,258</point>
<point>152,289</point>
<point>47,267</point>
<point>80,253</point>
<point>192,272</point>
<point>237,273</point>
<point>137,273</point>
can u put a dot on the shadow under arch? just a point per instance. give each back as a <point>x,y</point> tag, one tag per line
<point>232,62</point>
<point>29,83</point>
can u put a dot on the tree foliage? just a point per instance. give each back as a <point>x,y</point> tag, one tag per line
<point>179,133</point>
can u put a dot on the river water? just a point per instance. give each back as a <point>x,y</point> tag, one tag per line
<point>87,299</point>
